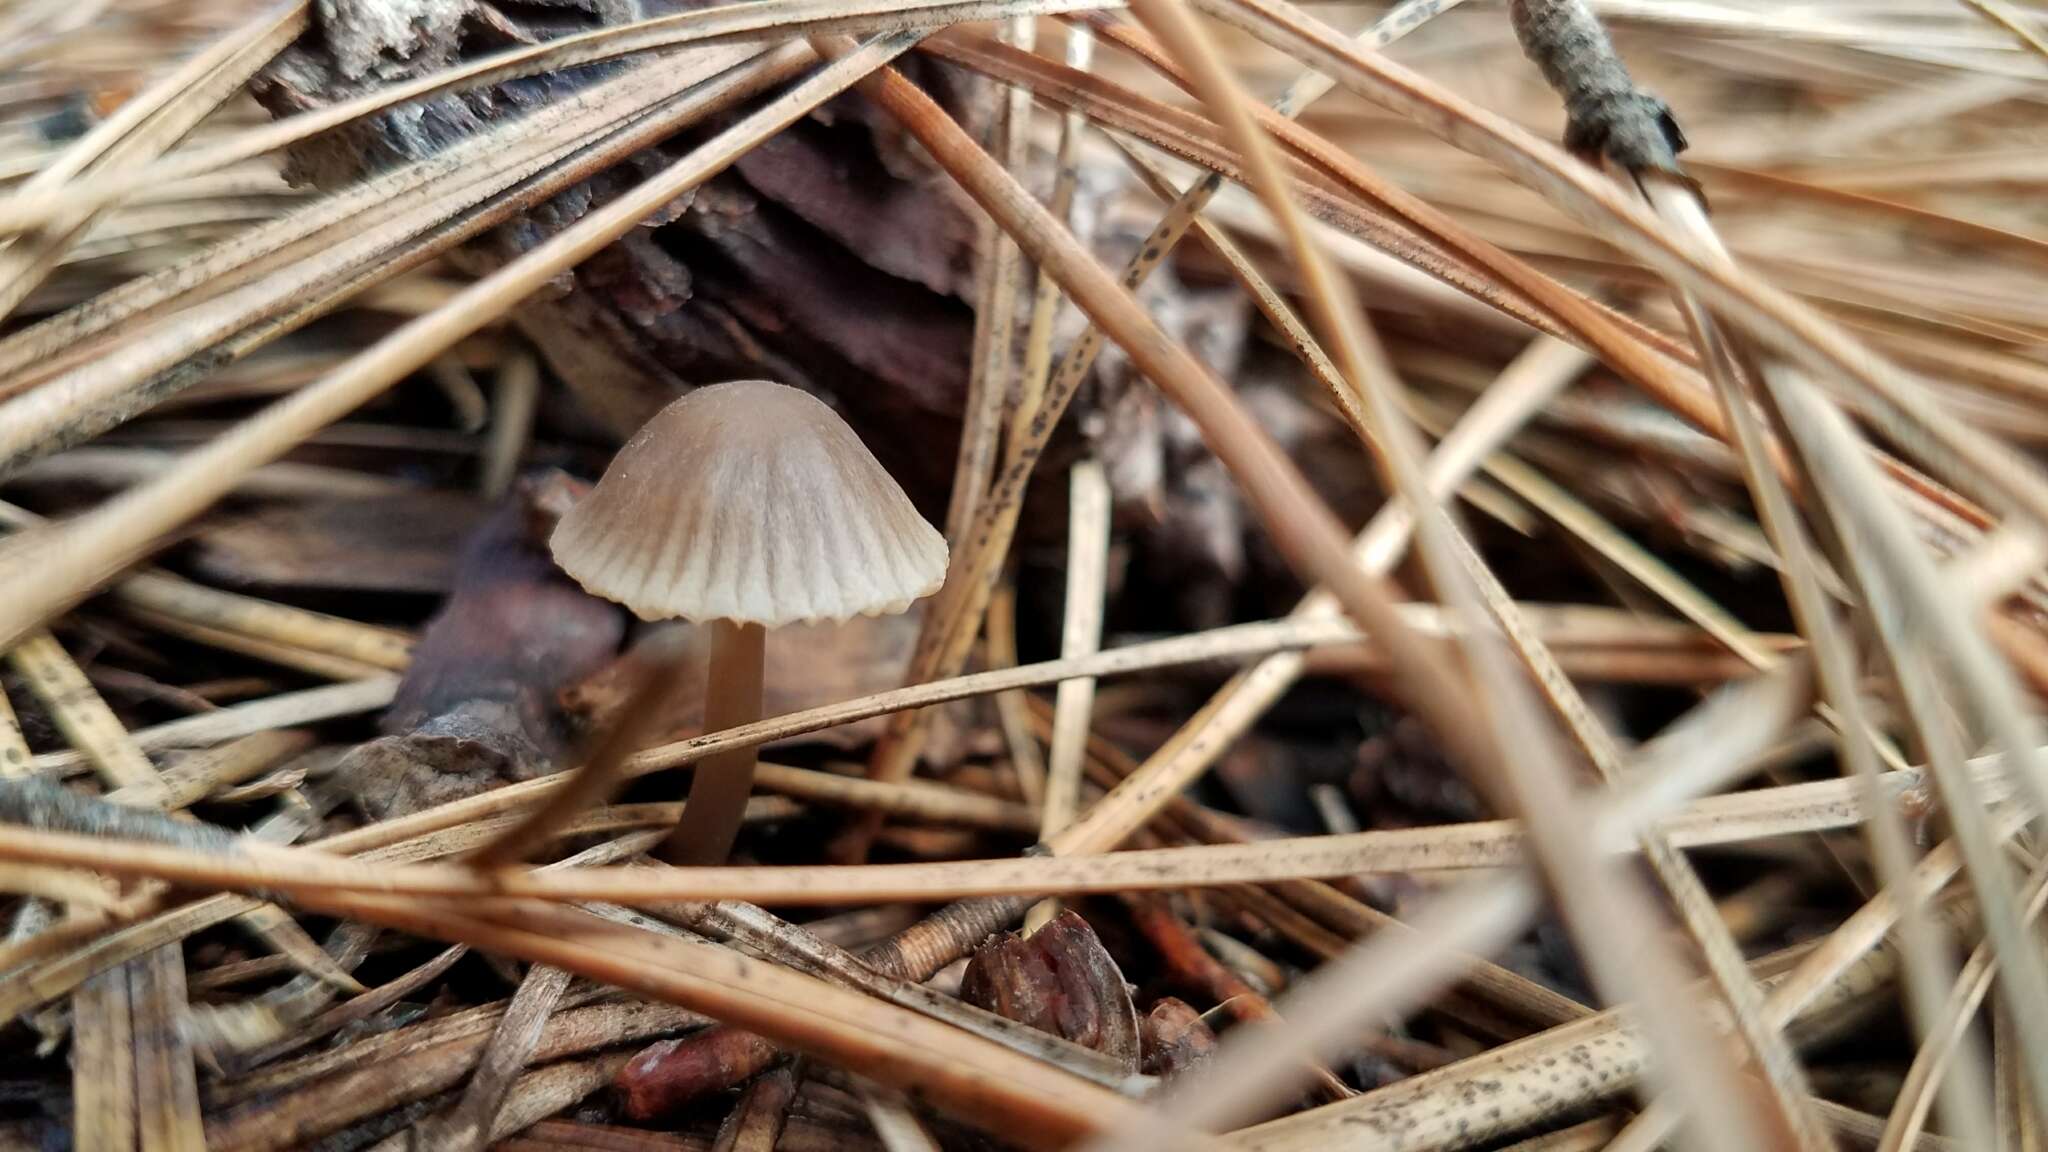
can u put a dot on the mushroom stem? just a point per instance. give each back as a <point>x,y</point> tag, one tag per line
<point>718,791</point>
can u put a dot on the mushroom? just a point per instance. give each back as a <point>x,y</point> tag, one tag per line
<point>747,505</point>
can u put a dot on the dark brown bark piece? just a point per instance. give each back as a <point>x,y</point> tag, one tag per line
<point>477,707</point>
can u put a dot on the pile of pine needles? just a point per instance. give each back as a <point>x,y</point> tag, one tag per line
<point>1769,406</point>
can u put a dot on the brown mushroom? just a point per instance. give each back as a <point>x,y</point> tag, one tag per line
<point>747,505</point>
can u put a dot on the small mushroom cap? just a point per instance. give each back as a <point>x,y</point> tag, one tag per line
<point>753,502</point>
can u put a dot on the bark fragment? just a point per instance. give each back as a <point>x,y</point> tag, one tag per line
<point>478,705</point>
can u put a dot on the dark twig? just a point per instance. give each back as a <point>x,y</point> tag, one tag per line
<point>34,802</point>
<point>1609,115</point>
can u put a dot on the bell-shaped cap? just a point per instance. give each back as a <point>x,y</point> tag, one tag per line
<point>752,502</point>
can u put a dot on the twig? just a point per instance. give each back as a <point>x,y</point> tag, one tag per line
<point>1886,564</point>
<point>971,1077</point>
<point>84,719</point>
<point>1027,759</point>
<point>990,382</point>
<point>319,664</point>
<point>1488,845</point>
<point>167,1090</point>
<point>497,155</point>
<point>357,1009</point>
<point>1590,1136</point>
<point>755,1123</point>
<point>1608,115</point>
<point>1073,707</point>
<point>1942,1044</point>
<point>514,398</point>
<point>140,1005</point>
<point>382,1072</point>
<point>285,710</point>
<point>1921,938</point>
<point>1329,914</point>
<point>1325,1011</point>
<point>990,392</point>
<point>206,773</point>
<point>269,297</point>
<point>895,1124</point>
<point>1045,296</point>
<point>118,467</point>
<point>32,802</point>
<point>470,1122</point>
<point>1600,1055</point>
<point>592,782</point>
<point>144,921</point>
<point>2012,20</point>
<point>14,751</point>
<point>103,1064</point>
<point>1188,963</point>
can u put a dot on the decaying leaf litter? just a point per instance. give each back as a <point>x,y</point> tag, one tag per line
<point>1523,631</point>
